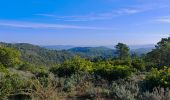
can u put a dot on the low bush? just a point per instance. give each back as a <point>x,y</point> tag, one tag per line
<point>156,94</point>
<point>158,78</point>
<point>110,72</point>
<point>12,85</point>
<point>37,70</point>
<point>125,91</point>
<point>122,62</point>
<point>44,88</point>
<point>138,64</point>
<point>9,57</point>
<point>3,70</point>
<point>73,66</point>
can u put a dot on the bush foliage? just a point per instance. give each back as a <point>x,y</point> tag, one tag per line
<point>85,78</point>
<point>158,78</point>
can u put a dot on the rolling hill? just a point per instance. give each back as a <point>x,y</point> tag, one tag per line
<point>93,51</point>
<point>38,55</point>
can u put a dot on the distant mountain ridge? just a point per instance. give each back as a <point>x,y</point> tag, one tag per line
<point>106,51</point>
<point>58,47</point>
<point>66,47</point>
<point>141,51</point>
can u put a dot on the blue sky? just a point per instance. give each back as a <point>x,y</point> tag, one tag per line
<point>84,22</point>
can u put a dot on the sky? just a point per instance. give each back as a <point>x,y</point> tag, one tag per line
<point>84,22</point>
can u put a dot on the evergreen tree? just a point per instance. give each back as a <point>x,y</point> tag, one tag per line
<point>122,51</point>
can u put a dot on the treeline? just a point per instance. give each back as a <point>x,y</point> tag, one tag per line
<point>31,72</point>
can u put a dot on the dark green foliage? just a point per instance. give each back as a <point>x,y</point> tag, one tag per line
<point>138,64</point>
<point>126,62</point>
<point>122,51</point>
<point>111,72</point>
<point>160,56</point>
<point>54,69</point>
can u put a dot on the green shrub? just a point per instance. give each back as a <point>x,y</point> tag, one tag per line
<point>150,65</point>
<point>3,69</point>
<point>12,85</point>
<point>54,69</point>
<point>9,57</point>
<point>37,70</point>
<point>73,66</point>
<point>110,72</point>
<point>126,62</point>
<point>138,64</point>
<point>158,78</point>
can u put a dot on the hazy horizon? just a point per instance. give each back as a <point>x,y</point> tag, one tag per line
<point>84,22</point>
<point>137,46</point>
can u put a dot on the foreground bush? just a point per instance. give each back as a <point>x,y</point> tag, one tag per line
<point>156,94</point>
<point>37,70</point>
<point>3,70</point>
<point>125,90</point>
<point>44,88</point>
<point>110,72</point>
<point>73,66</point>
<point>12,85</point>
<point>9,57</point>
<point>117,62</point>
<point>158,78</point>
<point>138,64</point>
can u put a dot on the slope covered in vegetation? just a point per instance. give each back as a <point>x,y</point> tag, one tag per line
<point>31,72</point>
<point>91,52</point>
<point>38,55</point>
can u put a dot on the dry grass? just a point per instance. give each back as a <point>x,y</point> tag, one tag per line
<point>41,92</point>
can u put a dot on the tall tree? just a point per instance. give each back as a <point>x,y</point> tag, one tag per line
<point>122,51</point>
<point>160,56</point>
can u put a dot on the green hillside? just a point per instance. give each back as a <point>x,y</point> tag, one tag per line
<point>93,52</point>
<point>38,55</point>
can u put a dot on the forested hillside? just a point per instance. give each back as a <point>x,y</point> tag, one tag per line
<point>29,72</point>
<point>41,56</point>
<point>38,55</point>
<point>141,51</point>
<point>103,51</point>
<point>93,52</point>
